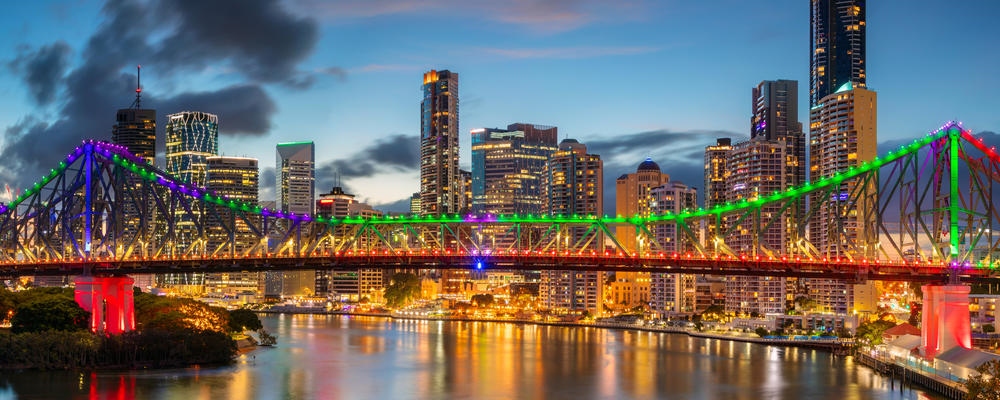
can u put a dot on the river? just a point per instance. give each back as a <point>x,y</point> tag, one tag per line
<point>348,357</point>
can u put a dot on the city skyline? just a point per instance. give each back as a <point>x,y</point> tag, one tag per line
<point>583,63</point>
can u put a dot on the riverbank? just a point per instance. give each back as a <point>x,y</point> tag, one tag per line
<point>948,388</point>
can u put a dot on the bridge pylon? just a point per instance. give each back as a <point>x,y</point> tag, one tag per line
<point>109,300</point>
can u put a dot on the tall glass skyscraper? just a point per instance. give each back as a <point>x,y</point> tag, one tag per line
<point>135,128</point>
<point>192,137</point>
<point>837,41</point>
<point>440,183</point>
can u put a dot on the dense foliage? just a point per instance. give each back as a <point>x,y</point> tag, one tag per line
<point>984,386</point>
<point>49,313</point>
<point>870,333</point>
<point>49,331</point>
<point>242,319</point>
<point>404,288</point>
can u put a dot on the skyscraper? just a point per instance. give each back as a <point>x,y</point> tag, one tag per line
<point>837,41</point>
<point>236,178</point>
<point>716,172</point>
<point>507,167</point>
<point>192,137</point>
<point>135,128</point>
<point>347,284</point>
<point>574,184</point>
<point>440,183</point>
<point>296,193</point>
<point>775,118</point>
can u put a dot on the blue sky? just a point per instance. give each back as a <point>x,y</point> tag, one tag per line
<point>630,78</point>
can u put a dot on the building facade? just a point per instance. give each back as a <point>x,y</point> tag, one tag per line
<point>440,183</point>
<point>671,294</point>
<point>507,166</point>
<point>574,184</point>
<point>296,193</point>
<point>837,44</point>
<point>191,137</point>
<point>347,284</point>
<point>236,178</point>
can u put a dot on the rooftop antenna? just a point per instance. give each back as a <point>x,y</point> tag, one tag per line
<point>138,88</point>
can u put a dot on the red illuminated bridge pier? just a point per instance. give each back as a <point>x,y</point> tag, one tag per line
<point>922,212</point>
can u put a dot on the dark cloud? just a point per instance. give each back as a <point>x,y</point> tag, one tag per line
<point>242,109</point>
<point>398,206</point>
<point>257,38</point>
<point>43,69</point>
<point>267,183</point>
<point>396,153</point>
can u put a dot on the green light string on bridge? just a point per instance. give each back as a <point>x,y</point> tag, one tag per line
<point>953,208</point>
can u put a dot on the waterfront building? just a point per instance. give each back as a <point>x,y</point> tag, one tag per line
<point>507,166</point>
<point>671,294</point>
<point>574,184</point>
<point>633,197</point>
<point>191,137</point>
<point>842,134</point>
<point>837,44</point>
<point>440,183</point>
<point>296,193</point>
<point>236,178</point>
<point>347,284</point>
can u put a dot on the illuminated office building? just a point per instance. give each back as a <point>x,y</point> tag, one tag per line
<point>672,293</point>
<point>506,168</point>
<point>440,183</point>
<point>236,178</point>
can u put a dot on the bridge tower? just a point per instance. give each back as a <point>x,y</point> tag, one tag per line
<point>109,301</point>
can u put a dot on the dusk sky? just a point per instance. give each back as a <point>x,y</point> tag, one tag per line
<point>630,79</point>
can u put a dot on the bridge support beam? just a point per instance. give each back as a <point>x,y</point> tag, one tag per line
<point>109,301</point>
<point>945,323</point>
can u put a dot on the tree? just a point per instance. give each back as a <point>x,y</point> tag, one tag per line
<point>404,288</point>
<point>870,333</point>
<point>915,313</point>
<point>984,385</point>
<point>50,313</point>
<point>761,331</point>
<point>483,300</point>
<point>242,319</point>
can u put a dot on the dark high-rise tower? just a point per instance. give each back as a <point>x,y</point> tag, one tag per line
<point>135,128</point>
<point>775,118</point>
<point>837,41</point>
<point>440,183</point>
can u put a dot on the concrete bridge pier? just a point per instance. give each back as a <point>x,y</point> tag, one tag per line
<point>109,301</point>
<point>945,321</point>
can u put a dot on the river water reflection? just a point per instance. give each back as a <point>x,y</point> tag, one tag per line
<point>345,357</point>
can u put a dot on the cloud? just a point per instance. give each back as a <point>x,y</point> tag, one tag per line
<point>43,70</point>
<point>268,184</point>
<point>336,72</point>
<point>397,153</point>
<point>242,109</point>
<point>569,52</point>
<point>257,39</point>
<point>544,16</point>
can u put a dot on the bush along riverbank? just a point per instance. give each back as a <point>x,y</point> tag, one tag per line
<point>49,331</point>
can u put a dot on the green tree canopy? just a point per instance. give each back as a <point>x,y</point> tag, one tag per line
<point>49,313</point>
<point>403,289</point>
<point>242,319</point>
<point>870,333</point>
<point>172,313</point>
<point>984,385</point>
<point>483,300</point>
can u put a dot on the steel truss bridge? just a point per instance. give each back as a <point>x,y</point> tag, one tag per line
<point>922,212</point>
